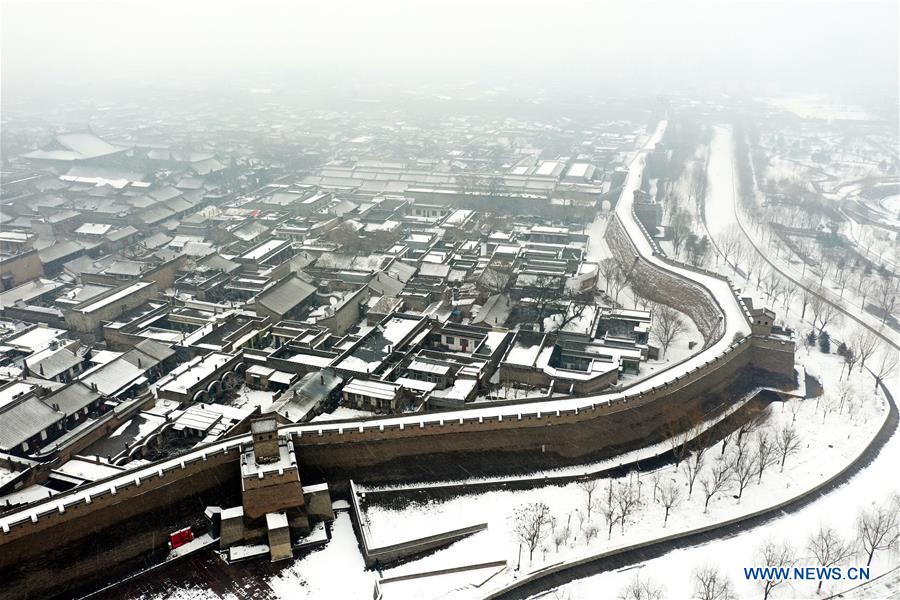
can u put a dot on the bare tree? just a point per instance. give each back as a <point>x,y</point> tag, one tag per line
<point>669,496</point>
<point>606,267</point>
<point>823,311</point>
<point>828,406</point>
<point>775,556</point>
<point>877,529</point>
<point>532,522</point>
<point>787,441</point>
<point>865,343</point>
<point>887,295</point>
<point>495,278</point>
<point>806,297</point>
<point>772,286</point>
<point>828,548</point>
<point>610,514</point>
<point>863,287</point>
<point>743,468</point>
<point>614,276</point>
<point>627,502</point>
<point>589,531</point>
<point>730,243</point>
<point>588,486</point>
<point>574,309</point>
<point>668,325</point>
<point>545,294</point>
<point>701,436</point>
<point>698,181</point>
<point>846,391</point>
<point>752,424</point>
<point>795,408</point>
<point>618,282</point>
<point>886,366</point>
<point>740,442</point>
<point>679,436</point>
<point>641,589</point>
<point>716,480</point>
<point>680,229</point>
<point>850,359</point>
<point>711,584</point>
<point>755,264</point>
<point>766,453</point>
<point>656,478</point>
<point>561,534</point>
<point>697,250</point>
<point>788,292</point>
<point>692,467</point>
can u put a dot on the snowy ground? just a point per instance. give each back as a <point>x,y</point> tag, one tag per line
<point>720,190</point>
<point>250,399</point>
<point>819,107</point>
<point>342,412</point>
<point>335,571</point>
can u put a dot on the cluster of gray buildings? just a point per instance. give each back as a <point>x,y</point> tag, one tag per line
<point>155,298</point>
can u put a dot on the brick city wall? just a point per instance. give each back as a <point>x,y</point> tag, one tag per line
<point>663,287</point>
<point>110,532</point>
<point>548,438</point>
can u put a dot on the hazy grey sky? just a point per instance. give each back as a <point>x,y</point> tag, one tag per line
<point>799,46</point>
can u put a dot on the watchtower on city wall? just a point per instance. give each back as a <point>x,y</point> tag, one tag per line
<point>270,475</point>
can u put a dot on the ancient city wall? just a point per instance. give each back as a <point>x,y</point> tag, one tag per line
<point>575,433</point>
<point>663,287</point>
<point>176,478</point>
<point>112,530</point>
<point>537,438</point>
<point>428,445</point>
<point>544,438</point>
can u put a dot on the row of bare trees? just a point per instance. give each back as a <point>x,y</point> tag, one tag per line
<point>741,460</point>
<point>827,251</point>
<point>615,277</point>
<point>877,529</point>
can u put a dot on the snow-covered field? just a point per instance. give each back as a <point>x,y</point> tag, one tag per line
<point>336,571</point>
